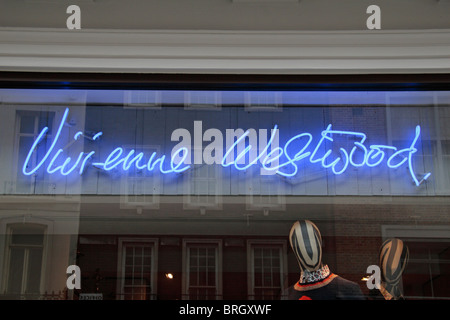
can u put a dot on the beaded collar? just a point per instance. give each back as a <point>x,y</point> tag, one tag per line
<point>314,276</point>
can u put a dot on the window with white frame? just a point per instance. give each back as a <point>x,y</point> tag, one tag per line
<point>444,118</point>
<point>137,189</point>
<point>265,193</point>
<point>434,139</point>
<point>426,275</point>
<point>261,101</point>
<point>266,269</point>
<point>428,269</point>
<point>202,100</point>
<point>204,188</point>
<point>202,264</point>
<point>24,259</point>
<point>28,126</point>
<point>139,99</point>
<point>137,269</point>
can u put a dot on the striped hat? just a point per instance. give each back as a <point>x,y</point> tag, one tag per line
<point>306,242</point>
<point>394,256</point>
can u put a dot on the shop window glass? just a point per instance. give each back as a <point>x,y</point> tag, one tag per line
<point>220,224</point>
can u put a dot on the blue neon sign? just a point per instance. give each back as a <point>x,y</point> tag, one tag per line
<point>273,158</point>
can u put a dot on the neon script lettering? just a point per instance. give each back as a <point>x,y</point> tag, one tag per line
<point>242,152</point>
<point>115,159</point>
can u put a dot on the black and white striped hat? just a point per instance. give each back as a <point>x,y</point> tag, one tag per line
<point>394,255</point>
<point>306,242</point>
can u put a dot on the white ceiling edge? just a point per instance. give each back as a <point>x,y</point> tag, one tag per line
<point>225,52</point>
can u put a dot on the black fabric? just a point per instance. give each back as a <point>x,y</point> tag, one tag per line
<point>338,289</point>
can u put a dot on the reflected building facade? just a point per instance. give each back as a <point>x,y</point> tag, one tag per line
<point>132,186</point>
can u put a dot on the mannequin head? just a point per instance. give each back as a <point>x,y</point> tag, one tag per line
<point>394,256</point>
<point>306,242</point>
<point>393,260</point>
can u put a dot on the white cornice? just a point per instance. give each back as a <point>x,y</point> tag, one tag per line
<point>250,52</point>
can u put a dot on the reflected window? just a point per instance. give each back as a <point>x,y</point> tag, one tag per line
<point>204,187</point>
<point>427,274</point>
<point>446,159</point>
<point>28,126</point>
<point>137,270</point>
<point>266,270</point>
<point>202,280</point>
<point>24,259</point>
<point>137,189</point>
<point>202,100</point>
